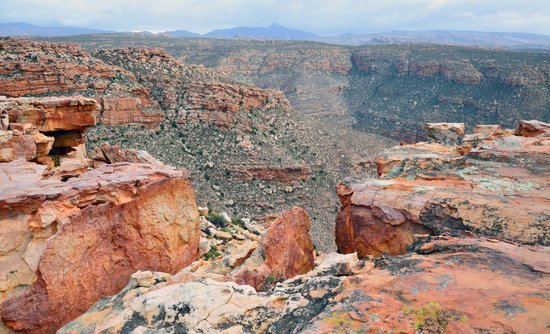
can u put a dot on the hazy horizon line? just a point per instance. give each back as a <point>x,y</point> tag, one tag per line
<point>162,30</point>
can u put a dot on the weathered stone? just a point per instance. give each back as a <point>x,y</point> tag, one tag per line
<point>284,252</point>
<point>434,290</point>
<point>128,216</point>
<point>54,113</point>
<point>223,235</point>
<point>446,133</point>
<point>533,129</point>
<point>4,120</point>
<point>498,189</point>
<point>16,147</point>
<point>113,154</point>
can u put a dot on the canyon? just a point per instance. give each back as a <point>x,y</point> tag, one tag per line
<point>404,264</point>
<point>274,219</point>
<point>384,89</point>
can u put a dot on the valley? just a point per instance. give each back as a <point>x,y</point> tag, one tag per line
<point>390,90</point>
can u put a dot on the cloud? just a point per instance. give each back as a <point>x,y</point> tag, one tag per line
<point>320,16</point>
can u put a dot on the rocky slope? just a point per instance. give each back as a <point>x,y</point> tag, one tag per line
<point>51,69</point>
<point>71,235</point>
<point>247,150</point>
<point>449,279</point>
<point>385,89</point>
<point>241,137</point>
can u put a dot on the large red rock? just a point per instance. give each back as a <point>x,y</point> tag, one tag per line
<point>498,188</point>
<point>285,251</point>
<point>67,244</point>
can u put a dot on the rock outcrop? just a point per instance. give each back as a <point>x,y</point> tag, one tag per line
<point>191,93</point>
<point>110,154</point>
<point>284,252</point>
<point>31,68</point>
<point>291,174</point>
<point>496,184</point>
<point>71,235</point>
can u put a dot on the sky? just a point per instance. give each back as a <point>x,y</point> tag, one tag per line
<point>324,17</point>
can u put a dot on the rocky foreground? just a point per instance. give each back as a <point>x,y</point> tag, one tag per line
<point>416,262</point>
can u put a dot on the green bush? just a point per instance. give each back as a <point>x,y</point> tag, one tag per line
<point>212,253</point>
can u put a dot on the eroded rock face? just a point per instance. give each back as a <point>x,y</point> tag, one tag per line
<point>458,70</point>
<point>192,93</point>
<point>110,154</point>
<point>435,289</point>
<point>33,68</point>
<point>71,243</point>
<point>52,114</point>
<point>445,133</point>
<point>289,174</point>
<point>70,235</point>
<point>285,251</point>
<point>496,185</point>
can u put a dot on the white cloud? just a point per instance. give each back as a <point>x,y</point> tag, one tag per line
<point>321,16</point>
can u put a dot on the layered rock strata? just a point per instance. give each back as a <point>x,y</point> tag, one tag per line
<point>191,93</point>
<point>496,184</point>
<point>69,234</point>
<point>31,68</point>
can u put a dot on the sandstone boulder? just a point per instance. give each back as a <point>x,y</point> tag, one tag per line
<point>533,128</point>
<point>112,154</point>
<point>67,244</point>
<point>285,251</point>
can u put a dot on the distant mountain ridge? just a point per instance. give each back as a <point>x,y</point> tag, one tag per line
<point>180,33</point>
<point>275,31</point>
<point>511,40</point>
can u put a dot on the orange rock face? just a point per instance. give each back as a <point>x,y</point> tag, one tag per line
<point>52,114</point>
<point>499,188</point>
<point>445,285</point>
<point>449,285</point>
<point>71,243</point>
<point>285,251</point>
<point>30,68</point>
<point>69,235</point>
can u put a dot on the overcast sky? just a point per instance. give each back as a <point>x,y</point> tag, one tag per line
<point>318,16</point>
